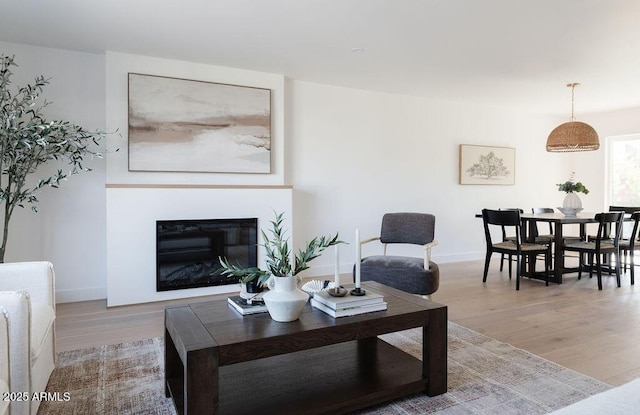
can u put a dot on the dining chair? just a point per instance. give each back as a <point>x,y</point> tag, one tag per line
<point>628,246</point>
<point>601,246</point>
<point>627,210</point>
<point>544,238</point>
<point>508,236</point>
<point>536,237</point>
<point>550,237</point>
<point>510,220</point>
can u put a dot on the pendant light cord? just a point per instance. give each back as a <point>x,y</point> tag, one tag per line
<point>573,87</point>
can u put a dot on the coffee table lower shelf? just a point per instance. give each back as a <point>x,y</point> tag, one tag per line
<point>332,379</point>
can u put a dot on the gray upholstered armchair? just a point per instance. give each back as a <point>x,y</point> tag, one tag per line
<point>413,275</point>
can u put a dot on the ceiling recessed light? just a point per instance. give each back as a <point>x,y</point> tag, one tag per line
<point>357,50</point>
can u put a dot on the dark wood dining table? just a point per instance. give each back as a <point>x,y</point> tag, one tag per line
<point>530,220</point>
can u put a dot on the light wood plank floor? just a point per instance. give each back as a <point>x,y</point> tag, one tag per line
<point>593,332</point>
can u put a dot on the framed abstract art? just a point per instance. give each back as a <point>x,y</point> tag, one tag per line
<point>180,125</point>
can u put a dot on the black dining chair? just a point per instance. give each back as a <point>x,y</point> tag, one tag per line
<point>542,238</point>
<point>508,236</point>
<point>603,245</point>
<point>510,220</point>
<point>626,210</point>
<point>628,246</point>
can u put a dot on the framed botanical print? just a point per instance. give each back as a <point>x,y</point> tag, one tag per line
<point>487,165</point>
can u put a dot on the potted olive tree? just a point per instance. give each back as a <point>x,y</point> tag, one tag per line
<point>28,141</point>
<point>285,300</point>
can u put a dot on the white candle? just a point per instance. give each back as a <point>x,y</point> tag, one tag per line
<point>357,258</point>
<point>337,270</point>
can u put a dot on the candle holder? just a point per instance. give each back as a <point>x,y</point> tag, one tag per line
<point>358,292</point>
<point>337,292</point>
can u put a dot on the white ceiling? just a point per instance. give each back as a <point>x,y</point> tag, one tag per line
<point>512,53</point>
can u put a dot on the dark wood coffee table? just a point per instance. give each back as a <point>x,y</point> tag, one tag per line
<point>219,362</point>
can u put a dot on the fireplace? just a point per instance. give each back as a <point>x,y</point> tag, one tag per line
<point>188,251</point>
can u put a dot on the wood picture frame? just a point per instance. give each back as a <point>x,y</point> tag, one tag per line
<point>487,165</point>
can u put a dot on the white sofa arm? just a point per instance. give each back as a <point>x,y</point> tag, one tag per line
<point>37,278</point>
<point>4,360</point>
<point>4,345</point>
<point>18,308</point>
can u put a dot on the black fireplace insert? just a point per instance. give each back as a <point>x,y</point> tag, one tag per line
<point>188,251</point>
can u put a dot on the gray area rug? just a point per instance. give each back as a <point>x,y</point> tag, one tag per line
<point>485,377</point>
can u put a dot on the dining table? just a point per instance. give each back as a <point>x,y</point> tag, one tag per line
<point>559,220</point>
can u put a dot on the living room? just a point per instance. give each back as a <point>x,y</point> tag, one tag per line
<point>341,157</point>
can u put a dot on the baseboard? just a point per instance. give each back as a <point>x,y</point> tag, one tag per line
<point>81,294</point>
<point>459,257</point>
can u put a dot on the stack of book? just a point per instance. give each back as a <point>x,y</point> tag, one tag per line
<point>349,305</point>
<point>243,307</point>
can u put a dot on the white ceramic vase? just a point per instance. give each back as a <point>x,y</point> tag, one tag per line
<point>284,300</point>
<point>572,201</point>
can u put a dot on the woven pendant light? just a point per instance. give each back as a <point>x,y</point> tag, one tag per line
<point>573,135</point>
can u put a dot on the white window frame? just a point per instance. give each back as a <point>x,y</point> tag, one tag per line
<point>609,142</point>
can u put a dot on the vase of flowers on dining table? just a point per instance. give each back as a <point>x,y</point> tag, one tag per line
<point>572,204</point>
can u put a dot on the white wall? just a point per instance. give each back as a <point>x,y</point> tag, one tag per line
<point>69,229</point>
<point>358,154</point>
<point>351,155</point>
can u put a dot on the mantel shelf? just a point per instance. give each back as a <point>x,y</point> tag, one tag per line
<point>194,186</point>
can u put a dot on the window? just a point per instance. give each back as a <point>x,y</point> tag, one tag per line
<point>623,170</point>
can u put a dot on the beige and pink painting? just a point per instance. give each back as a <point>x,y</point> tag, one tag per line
<point>180,125</point>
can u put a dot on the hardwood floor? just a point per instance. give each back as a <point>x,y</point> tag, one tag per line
<point>596,333</point>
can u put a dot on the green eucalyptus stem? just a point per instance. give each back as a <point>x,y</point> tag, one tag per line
<point>278,254</point>
<point>245,275</point>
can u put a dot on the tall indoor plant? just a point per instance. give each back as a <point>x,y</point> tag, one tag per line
<point>284,301</point>
<point>28,141</point>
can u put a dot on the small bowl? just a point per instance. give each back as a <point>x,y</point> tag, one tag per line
<point>316,286</point>
<point>570,211</point>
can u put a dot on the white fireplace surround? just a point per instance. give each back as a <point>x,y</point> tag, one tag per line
<point>132,212</point>
<point>135,200</point>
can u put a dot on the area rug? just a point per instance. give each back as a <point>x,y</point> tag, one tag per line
<point>485,377</point>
